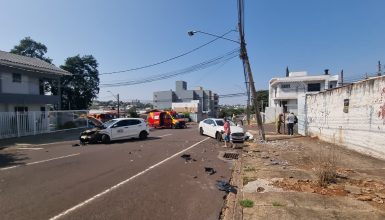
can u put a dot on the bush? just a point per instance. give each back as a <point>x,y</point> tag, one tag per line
<point>325,164</point>
<point>246,203</point>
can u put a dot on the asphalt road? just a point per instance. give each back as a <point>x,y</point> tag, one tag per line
<point>131,179</point>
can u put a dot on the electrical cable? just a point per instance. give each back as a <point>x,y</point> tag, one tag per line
<point>170,59</point>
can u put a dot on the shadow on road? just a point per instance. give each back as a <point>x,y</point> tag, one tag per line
<point>11,159</point>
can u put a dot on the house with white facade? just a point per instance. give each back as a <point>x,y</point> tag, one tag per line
<point>22,83</point>
<point>284,91</point>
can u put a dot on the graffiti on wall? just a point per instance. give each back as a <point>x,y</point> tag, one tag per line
<point>381,112</point>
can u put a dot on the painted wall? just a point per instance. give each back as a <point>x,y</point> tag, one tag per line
<point>352,115</point>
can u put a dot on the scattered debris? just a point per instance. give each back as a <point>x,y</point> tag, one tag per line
<point>195,177</point>
<point>210,170</point>
<point>187,157</point>
<point>223,185</point>
<point>76,145</point>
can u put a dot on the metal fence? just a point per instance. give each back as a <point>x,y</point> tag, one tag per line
<point>17,124</point>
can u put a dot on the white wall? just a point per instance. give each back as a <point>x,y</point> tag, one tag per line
<point>28,85</point>
<point>362,128</point>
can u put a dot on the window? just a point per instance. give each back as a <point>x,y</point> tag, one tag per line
<point>122,123</point>
<point>285,86</point>
<point>21,109</point>
<point>16,77</point>
<point>133,122</point>
<point>314,87</point>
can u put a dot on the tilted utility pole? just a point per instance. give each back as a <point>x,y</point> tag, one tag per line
<point>247,68</point>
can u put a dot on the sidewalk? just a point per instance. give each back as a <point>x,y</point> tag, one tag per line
<point>68,135</point>
<point>280,179</point>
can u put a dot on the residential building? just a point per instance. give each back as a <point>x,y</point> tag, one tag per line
<point>199,100</point>
<point>284,91</point>
<point>22,83</point>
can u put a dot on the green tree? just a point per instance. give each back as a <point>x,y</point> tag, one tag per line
<point>79,89</point>
<point>263,100</point>
<point>30,48</point>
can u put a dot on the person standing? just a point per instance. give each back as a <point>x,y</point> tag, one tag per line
<point>279,122</point>
<point>290,123</point>
<point>226,130</point>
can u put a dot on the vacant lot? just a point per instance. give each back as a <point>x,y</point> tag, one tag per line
<point>305,178</point>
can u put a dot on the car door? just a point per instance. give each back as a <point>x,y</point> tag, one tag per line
<point>210,128</point>
<point>134,127</point>
<point>119,130</point>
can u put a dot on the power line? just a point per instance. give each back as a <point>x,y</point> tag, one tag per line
<point>170,59</point>
<point>200,66</point>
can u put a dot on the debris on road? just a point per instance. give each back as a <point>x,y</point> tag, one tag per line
<point>223,185</point>
<point>76,145</point>
<point>210,170</point>
<point>187,157</point>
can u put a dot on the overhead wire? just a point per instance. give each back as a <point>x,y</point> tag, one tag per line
<point>196,67</point>
<point>170,59</point>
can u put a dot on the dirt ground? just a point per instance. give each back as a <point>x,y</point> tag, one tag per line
<point>282,179</point>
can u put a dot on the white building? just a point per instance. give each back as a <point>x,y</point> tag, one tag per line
<point>22,83</point>
<point>284,91</point>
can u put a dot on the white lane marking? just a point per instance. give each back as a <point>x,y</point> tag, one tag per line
<point>41,161</point>
<point>30,148</point>
<point>165,135</point>
<point>122,183</point>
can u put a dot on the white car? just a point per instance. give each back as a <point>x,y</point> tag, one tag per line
<point>116,129</point>
<point>213,127</point>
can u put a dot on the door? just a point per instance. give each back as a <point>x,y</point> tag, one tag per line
<point>134,127</point>
<point>120,130</point>
<point>209,128</point>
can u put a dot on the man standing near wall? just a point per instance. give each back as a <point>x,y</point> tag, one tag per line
<point>290,124</point>
<point>279,122</point>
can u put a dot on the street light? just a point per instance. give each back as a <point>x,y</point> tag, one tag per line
<point>117,98</point>
<point>191,33</point>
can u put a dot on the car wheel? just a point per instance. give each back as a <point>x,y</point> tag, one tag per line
<point>105,139</point>
<point>143,135</point>
<point>201,131</point>
<point>218,136</point>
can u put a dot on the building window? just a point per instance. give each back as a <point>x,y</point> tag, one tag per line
<point>21,109</point>
<point>285,86</point>
<point>314,87</point>
<point>16,77</point>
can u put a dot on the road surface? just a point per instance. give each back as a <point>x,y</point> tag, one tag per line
<point>131,179</point>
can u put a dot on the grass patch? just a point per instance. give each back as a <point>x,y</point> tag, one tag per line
<point>276,204</point>
<point>246,203</point>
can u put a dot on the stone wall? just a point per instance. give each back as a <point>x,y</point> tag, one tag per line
<point>353,116</point>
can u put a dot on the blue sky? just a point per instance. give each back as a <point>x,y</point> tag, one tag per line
<point>302,34</point>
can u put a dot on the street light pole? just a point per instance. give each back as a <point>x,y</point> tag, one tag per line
<point>118,105</point>
<point>117,98</point>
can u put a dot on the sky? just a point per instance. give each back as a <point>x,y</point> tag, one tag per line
<point>304,35</point>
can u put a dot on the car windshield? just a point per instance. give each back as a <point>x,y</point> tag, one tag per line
<point>108,123</point>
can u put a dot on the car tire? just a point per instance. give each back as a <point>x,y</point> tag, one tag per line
<point>105,139</point>
<point>201,131</point>
<point>218,136</point>
<point>143,135</point>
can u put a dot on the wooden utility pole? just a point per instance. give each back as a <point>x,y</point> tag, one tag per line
<point>247,68</point>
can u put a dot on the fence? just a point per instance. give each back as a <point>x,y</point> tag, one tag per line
<point>16,124</point>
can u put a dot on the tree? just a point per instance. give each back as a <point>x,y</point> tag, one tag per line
<point>30,48</point>
<point>263,99</point>
<point>79,89</point>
